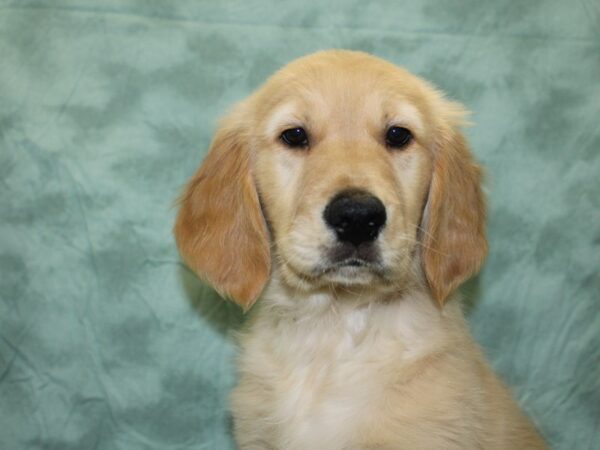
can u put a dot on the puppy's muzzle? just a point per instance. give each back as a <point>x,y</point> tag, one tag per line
<point>355,216</point>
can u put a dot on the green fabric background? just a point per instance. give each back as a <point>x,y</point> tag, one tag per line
<point>106,107</point>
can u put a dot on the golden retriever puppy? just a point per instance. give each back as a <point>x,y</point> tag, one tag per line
<point>344,192</point>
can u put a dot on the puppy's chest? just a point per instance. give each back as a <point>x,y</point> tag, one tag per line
<point>328,380</point>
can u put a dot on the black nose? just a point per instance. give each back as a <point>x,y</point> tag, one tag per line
<point>355,216</point>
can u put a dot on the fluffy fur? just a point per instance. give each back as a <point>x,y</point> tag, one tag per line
<point>334,356</point>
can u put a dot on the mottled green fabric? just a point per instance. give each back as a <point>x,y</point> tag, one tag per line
<point>106,107</point>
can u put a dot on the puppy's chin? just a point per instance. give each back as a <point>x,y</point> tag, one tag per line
<point>351,276</point>
<point>334,275</point>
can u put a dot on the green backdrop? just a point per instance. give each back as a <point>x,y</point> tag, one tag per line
<point>106,107</point>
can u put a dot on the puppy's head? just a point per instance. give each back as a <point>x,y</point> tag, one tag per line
<point>341,170</point>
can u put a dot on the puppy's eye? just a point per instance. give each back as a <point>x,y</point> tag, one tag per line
<point>295,137</point>
<point>398,137</point>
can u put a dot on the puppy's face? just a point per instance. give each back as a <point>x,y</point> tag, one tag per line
<point>351,162</point>
<point>343,163</point>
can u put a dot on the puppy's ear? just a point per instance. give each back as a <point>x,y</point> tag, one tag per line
<point>454,243</point>
<point>220,230</point>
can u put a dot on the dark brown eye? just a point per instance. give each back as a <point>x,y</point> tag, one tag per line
<point>295,137</point>
<point>398,137</point>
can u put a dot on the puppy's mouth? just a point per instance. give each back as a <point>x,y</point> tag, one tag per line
<point>352,263</point>
<point>358,265</point>
<point>340,264</point>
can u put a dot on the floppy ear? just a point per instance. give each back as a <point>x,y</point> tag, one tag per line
<point>454,243</point>
<point>220,230</point>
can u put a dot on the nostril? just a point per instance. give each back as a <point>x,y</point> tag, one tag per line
<point>355,216</point>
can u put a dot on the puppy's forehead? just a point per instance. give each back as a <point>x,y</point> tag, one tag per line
<point>347,87</point>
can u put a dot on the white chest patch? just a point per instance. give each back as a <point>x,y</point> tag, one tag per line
<point>328,374</point>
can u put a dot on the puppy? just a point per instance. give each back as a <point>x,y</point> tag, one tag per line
<point>345,193</point>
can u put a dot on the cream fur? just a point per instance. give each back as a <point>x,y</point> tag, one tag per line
<point>323,371</point>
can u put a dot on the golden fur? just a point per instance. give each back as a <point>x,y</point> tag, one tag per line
<point>349,358</point>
